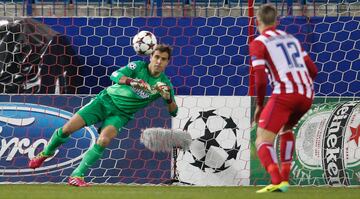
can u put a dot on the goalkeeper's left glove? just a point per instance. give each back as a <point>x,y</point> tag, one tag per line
<point>164,91</point>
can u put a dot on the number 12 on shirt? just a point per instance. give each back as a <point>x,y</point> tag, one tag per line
<point>292,57</point>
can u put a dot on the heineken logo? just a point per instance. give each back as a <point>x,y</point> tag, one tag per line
<point>355,134</point>
<point>327,145</point>
<point>333,160</point>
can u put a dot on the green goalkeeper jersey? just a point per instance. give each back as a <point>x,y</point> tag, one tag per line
<point>128,99</point>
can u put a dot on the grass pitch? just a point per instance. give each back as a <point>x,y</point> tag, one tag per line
<point>62,191</point>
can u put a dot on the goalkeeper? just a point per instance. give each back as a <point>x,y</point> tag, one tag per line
<point>137,85</point>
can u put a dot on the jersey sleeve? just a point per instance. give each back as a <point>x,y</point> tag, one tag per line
<point>303,51</point>
<point>128,71</point>
<point>260,85</point>
<point>257,53</point>
<point>310,65</point>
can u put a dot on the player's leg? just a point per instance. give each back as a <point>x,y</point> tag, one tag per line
<point>266,153</point>
<point>287,139</point>
<point>59,137</point>
<point>272,118</point>
<point>109,131</point>
<point>92,155</point>
<point>89,114</point>
<point>287,146</point>
<point>62,134</point>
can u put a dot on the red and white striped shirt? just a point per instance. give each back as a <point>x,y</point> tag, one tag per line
<point>288,66</point>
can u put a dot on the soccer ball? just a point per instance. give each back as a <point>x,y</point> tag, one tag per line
<point>144,42</point>
<point>215,145</point>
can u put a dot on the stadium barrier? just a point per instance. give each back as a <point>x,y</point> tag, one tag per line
<point>173,8</point>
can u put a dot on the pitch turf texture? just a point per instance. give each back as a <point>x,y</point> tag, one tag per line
<point>168,192</point>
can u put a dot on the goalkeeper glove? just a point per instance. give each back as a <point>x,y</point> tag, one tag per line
<point>138,83</point>
<point>164,91</point>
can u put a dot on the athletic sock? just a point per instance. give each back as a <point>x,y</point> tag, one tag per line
<point>285,171</point>
<point>287,145</point>
<point>91,156</point>
<point>268,159</point>
<point>56,140</point>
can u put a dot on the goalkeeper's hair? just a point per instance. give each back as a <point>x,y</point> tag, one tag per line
<point>267,14</point>
<point>163,48</point>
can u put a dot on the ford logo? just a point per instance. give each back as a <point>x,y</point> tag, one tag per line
<point>24,131</point>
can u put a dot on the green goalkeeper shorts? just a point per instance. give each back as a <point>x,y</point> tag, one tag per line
<point>102,109</point>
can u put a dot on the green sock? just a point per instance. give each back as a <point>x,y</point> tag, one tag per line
<point>91,156</point>
<point>56,140</point>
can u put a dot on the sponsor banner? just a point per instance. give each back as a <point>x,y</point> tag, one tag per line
<point>28,121</point>
<point>327,149</point>
<point>25,129</point>
<point>219,154</point>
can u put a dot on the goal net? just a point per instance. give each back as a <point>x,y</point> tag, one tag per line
<point>53,62</point>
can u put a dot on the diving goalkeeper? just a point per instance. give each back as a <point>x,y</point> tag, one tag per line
<point>137,85</point>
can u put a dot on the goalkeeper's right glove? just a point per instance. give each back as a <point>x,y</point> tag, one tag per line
<point>138,83</point>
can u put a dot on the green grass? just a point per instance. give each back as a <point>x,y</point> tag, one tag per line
<point>62,191</point>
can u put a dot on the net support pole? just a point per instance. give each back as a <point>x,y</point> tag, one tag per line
<point>28,8</point>
<point>251,33</point>
<point>159,8</point>
<point>290,7</point>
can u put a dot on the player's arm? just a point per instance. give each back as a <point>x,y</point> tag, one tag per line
<point>313,71</point>
<point>124,76</point>
<point>260,84</point>
<point>121,75</point>
<point>257,53</point>
<point>166,91</point>
<point>172,107</point>
<point>171,103</point>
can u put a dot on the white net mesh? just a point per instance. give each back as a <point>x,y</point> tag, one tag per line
<point>56,53</point>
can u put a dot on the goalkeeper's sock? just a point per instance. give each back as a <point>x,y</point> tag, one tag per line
<point>91,156</point>
<point>56,140</point>
<point>287,145</point>
<point>268,159</point>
